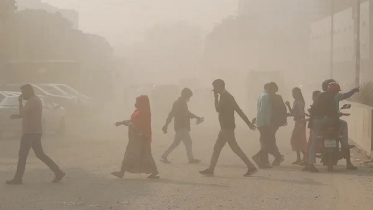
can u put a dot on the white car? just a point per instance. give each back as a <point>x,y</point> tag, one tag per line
<point>53,116</point>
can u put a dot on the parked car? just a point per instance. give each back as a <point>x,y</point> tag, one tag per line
<point>53,116</point>
<point>68,102</point>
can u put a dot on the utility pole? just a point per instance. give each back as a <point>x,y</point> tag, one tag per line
<point>357,73</point>
<point>331,39</point>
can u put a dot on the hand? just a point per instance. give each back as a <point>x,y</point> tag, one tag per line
<point>357,89</point>
<point>287,103</point>
<point>118,124</point>
<point>252,127</point>
<point>126,122</point>
<point>20,99</point>
<point>164,129</point>
<point>216,95</point>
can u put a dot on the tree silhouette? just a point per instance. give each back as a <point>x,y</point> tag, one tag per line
<point>7,7</point>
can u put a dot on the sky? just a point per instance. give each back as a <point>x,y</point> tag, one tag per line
<point>125,21</point>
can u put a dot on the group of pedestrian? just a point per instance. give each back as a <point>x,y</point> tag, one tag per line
<point>272,113</point>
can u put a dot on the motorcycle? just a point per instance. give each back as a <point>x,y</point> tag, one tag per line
<point>330,151</point>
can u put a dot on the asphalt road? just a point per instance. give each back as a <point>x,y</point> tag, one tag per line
<point>88,157</point>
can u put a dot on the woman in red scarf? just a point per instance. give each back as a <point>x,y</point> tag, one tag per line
<point>138,157</point>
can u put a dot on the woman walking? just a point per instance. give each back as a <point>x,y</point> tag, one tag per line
<point>138,156</point>
<point>298,137</point>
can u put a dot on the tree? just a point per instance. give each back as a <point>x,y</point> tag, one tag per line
<point>7,7</point>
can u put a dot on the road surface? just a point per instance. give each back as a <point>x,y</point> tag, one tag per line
<point>88,158</point>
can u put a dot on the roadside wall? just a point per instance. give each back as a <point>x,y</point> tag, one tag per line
<point>360,126</point>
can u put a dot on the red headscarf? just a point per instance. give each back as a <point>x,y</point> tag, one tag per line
<point>141,117</point>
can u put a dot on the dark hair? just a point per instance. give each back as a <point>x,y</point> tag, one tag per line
<point>266,86</point>
<point>315,93</point>
<point>298,91</point>
<point>28,88</point>
<point>272,86</point>
<point>186,93</point>
<point>219,83</point>
<point>326,83</point>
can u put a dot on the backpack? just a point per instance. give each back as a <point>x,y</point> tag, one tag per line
<point>279,111</point>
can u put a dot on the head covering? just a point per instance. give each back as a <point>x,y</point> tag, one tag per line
<point>326,83</point>
<point>333,86</point>
<point>141,117</point>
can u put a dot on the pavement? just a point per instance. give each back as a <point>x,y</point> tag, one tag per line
<point>88,158</point>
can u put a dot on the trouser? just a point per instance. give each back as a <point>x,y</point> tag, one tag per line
<point>181,135</point>
<point>343,126</point>
<point>268,143</point>
<point>309,143</point>
<point>28,141</point>
<point>318,126</point>
<point>228,136</point>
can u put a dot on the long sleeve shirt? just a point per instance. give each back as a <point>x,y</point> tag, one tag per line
<point>343,96</point>
<point>226,107</point>
<point>181,115</point>
<point>325,106</point>
<point>264,109</point>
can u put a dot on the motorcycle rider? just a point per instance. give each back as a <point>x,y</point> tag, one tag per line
<point>342,123</point>
<point>324,114</point>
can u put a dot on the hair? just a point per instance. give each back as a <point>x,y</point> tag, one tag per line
<point>28,88</point>
<point>326,83</point>
<point>273,86</point>
<point>219,82</point>
<point>266,86</point>
<point>298,92</point>
<point>315,93</point>
<point>186,93</point>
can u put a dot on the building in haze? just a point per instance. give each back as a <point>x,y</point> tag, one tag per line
<point>71,15</point>
<point>344,42</point>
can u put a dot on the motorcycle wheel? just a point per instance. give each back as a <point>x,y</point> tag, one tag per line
<point>330,159</point>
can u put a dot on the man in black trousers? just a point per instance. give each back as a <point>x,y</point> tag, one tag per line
<point>31,115</point>
<point>226,106</point>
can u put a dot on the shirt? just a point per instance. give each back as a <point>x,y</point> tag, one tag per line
<point>325,106</point>
<point>343,96</point>
<point>264,109</point>
<point>32,116</point>
<point>226,106</point>
<point>181,114</point>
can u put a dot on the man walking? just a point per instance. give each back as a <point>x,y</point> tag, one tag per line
<point>226,106</point>
<point>182,116</point>
<point>31,115</point>
<point>272,114</point>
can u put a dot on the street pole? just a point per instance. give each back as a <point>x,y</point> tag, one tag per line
<point>331,39</point>
<point>357,73</point>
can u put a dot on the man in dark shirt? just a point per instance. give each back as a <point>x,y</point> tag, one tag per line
<point>182,116</point>
<point>226,107</point>
<point>324,114</point>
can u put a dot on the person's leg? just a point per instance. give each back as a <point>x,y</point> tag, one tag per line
<point>259,157</point>
<point>220,142</point>
<point>175,143</point>
<point>26,144</point>
<point>187,140</point>
<point>345,146</point>
<point>231,139</point>
<point>38,149</point>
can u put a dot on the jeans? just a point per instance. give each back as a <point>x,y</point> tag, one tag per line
<point>181,135</point>
<point>28,141</point>
<point>268,143</point>
<point>344,131</point>
<point>228,136</point>
<point>319,125</point>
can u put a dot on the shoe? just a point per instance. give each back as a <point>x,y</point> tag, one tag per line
<point>14,182</point>
<point>118,174</point>
<point>207,172</point>
<point>278,161</point>
<point>256,159</point>
<point>194,161</point>
<point>165,160</point>
<point>59,177</point>
<point>351,167</point>
<point>303,163</point>
<point>251,172</point>
<point>313,169</point>
<point>265,166</point>
<point>306,168</point>
<point>154,176</point>
<point>296,162</point>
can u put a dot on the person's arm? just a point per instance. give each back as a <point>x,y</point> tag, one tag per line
<point>349,94</point>
<point>241,114</point>
<point>192,116</point>
<point>217,104</point>
<point>23,110</point>
<point>171,115</point>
